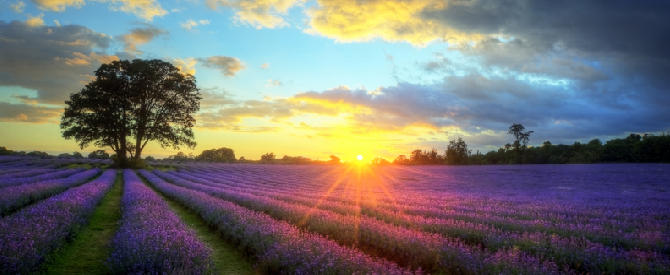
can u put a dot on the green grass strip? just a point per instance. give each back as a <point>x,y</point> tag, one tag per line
<point>90,248</point>
<point>227,259</point>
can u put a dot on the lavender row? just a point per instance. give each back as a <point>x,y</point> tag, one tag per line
<point>15,197</point>
<point>415,249</point>
<point>28,235</point>
<point>597,227</point>
<point>25,172</point>
<point>151,238</point>
<point>277,246</point>
<point>531,239</point>
<point>423,199</point>
<point>55,174</point>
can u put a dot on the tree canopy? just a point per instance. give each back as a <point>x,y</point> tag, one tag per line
<point>130,103</point>
<point>222,154</point>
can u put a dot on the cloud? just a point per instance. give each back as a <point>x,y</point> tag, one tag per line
<point>145,9</point>
<point>231,113</point>
<point>350,20</point>
<point>18,6</point>
<point>58,5</point>
<point>212,98</point>
<point>35,21</point>
<point>259,14</point>
<point>186,65</point>
<point>27,113</point>
<point>139,36</point>
<point>190,24</point>
<point>478,108</point>
<point>52,60</point>
<point>228,66</point>
<point>273,83</point>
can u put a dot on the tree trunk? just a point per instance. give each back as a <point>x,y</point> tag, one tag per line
<point>138,147</point>
<point>121,159</point>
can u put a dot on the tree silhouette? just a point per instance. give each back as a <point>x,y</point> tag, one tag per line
<point>334,159</point>
<point>520,137</point>
<point>222,154</point>
<point>144,100</point>
<point>268,157</point>
<point>457,152</point>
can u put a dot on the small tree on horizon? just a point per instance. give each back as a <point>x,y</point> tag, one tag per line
<point>457,152</point>
<point>138,100</point>
<point>222,154</point>
<point>520,137</point>
<point>268,157</point>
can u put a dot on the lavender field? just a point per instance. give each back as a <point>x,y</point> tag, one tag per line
<point>344,219</point>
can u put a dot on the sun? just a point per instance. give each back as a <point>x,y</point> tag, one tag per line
<point>359,157</point>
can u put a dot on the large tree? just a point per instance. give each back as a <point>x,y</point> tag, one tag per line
<point>130,103</point>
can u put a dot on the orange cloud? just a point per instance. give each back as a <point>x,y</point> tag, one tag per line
<point>35,21</point>
<point>352,21</point>
<point>58,5</point>
<point>145,9</point>
<point>139,36</point>
<point>229,66</point>
<point>185,65</point>
<point>81,59</point>
<point>259,14</point>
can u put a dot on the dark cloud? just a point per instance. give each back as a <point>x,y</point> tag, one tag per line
<point>27,113</point>
<point>53,60</point>
<point>590,26</point>
<point>610,47</point>
<point>485,107</point>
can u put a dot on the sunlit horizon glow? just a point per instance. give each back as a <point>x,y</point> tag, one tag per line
<point>376,78</point>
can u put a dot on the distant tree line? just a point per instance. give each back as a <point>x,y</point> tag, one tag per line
<point>227,155</point>
<point>634,148</point>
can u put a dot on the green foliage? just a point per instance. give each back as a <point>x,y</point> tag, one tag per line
<point>425,157</point>
<point>180,156</point>
<point>98,154</point>
<point>268,157</point>
<point>222,154</point>
<point>457,152</point>
<point>38,154</point>
<point>520,137</point>
<point>74,155</point>
<point>634,148</point>
<point>295,160</point>
<point>142,100</point>
<point>401,159</point>
<point>380,161</point>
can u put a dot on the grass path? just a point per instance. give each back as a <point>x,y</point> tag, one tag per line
<point>87,252</point>
<point>227,258</point>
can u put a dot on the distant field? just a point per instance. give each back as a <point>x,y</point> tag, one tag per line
<point>313,219</point>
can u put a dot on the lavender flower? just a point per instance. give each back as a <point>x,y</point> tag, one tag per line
<point>152,239</point>
<point>28,235</point>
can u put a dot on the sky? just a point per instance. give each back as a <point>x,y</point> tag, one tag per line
<point>345,77</point>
